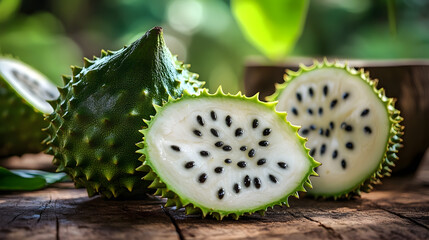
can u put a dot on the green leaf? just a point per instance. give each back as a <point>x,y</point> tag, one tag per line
<point>273,26</point>
<point>27,179</point>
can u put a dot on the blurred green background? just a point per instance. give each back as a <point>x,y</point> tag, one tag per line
<point>51,35</point>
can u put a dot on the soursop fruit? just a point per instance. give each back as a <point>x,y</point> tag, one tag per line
<point>95,125</point>
<point>353,129</point>
<point>224,155</point>
<point>24,93</point>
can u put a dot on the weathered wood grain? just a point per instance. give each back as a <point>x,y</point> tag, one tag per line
<point>68,213</point>
<point>398,209</point>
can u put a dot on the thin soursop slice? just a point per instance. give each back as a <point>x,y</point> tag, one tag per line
<point>353,129</point>
<point>224,155</point>
<point>95,125</point>
<point>23,101</point>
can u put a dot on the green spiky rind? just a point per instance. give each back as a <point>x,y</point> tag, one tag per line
<point>20,122</point>
<point>173,199</point>
<point>396,130</point>
<point>95,123</point>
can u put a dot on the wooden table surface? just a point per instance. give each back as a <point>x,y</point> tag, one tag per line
<point>398,209</point>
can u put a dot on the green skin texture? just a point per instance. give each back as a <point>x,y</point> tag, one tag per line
<point>165,190</point>
<point>95,125</point>
<point>393,140</point>
<point>20,123</point>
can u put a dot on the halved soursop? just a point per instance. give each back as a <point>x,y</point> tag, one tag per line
<point>353,129</point>
<point>224,155</point>
<point>24,93</point>
<point>95,125</point>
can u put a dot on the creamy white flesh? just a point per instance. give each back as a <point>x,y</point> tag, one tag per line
<point>175,126</point>
<point>367,134</point>
<point>28,83</point>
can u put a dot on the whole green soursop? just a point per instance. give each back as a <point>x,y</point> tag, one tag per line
<point>95,125</point>
<point>224,155</point>
<point>23,101</point>
<point>353,129</point>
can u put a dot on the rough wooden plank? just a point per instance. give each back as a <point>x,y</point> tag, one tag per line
<point>398,209</point>
<point>68,213</point>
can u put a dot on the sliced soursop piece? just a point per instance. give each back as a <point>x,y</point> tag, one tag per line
<point>224,155</point>
<point>353,129</point>
<point>94,128</point>
<point>24,93</point>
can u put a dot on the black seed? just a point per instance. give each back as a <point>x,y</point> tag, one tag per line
<point>312,152</point>
<point>261,161</point>
<point>273,178</point>
<point>241,164</point>
<point>367,130</point>
<point>334,154</point>
<point>213,115</point>
<point>204,154</point>
<point>364,112</point>
<point>266,132</point>
<point>348,128</point>
<point>198,133</point>
<point>345,95</point>
<point>221,193</point>
<point>251,153</point>
<point>333,103</point>
<point>190,164</point>
<point>228,121</point>
<point>218,170</point>
<point>310,111</point>
<point>227,148</point>
<point>325,90</point>
<point>238,132</point>
<point>175,148</point>
<point>327,132</point>
<point>311,92</point>
<point>218,144</point>
<point>323,149</point>
<point>237,188</point>
<point>202,178</point>
<point>343,164</point>
<point>294,111</point>
<point>304,131</point>
<point>247,181</point>
<point>243,148</point>
<point>200,120</point>
<point>349,145</point>
<point>282,165</point>
<point>257,182</point>
<point>214,132</point>
<point>343,125</point>
<point>331,125</point>
<point>263,143</point>
<point>312,127</point>
<point>321,131</point>
<point>255,123</point>
<point>299,97</point>
<point>320,111</point>
<point>227,160</point>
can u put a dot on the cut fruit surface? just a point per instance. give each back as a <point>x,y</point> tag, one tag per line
<point>24,93</point>
<point>352,128</point>
<point>225,154</point>
<point>32,86</point>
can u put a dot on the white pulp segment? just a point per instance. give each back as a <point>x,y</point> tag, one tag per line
<point>368,148</point>
<point>30,84</point>
<point>175,125</point>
